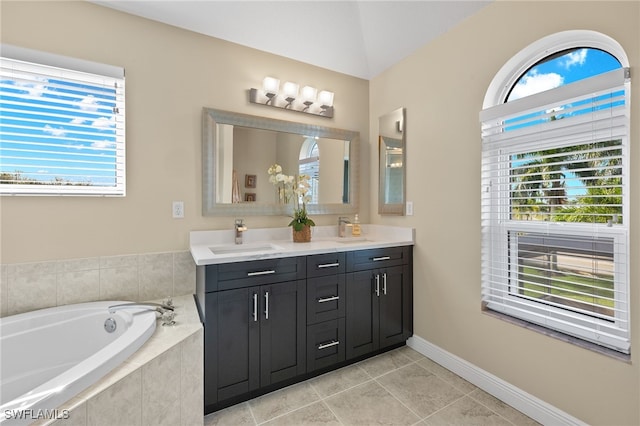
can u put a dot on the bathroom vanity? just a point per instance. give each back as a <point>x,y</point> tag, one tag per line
<point>277,312</point>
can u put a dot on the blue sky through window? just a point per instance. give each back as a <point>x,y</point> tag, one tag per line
<point>57,129</point>
<point>574,65</point>
<point>555,71</point>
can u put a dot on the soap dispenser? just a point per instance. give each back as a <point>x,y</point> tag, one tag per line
<point>355,229</point>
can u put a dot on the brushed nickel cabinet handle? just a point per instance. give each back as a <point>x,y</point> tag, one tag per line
<point>378,285</point>
<point>329,265</point>
<point>255,307</point>
<point>384,283</point>
<point>328,299</point>
<point>266,305</point>
<point>328,345</point>
<point>378,259</point>
<point>253,274</point>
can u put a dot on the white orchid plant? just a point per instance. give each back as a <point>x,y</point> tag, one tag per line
<point>294,188</point>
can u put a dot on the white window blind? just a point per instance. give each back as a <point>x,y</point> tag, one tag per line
<point>62,126</point>
<point>555,208</point>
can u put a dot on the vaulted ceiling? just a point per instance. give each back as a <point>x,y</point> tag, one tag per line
<point>359,38</point>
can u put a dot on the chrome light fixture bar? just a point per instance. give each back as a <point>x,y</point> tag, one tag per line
<point>308,100</point>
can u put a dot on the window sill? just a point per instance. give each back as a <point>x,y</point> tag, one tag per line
<point>561,336</point>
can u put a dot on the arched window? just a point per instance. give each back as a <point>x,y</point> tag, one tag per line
<point>555,201</point>
<point>309,164</point>
<point>562,68</point>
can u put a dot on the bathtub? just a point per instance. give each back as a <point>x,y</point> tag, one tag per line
<point>50,355</point>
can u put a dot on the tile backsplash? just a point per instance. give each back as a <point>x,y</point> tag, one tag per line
<point>136,277</point>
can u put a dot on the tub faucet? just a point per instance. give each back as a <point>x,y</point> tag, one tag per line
<point>240,228</point>
<point>342,226</point>
<point>161,308</point>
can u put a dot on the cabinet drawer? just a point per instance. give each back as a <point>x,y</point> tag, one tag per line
<point>325,344</point>
<point>228,276</point>
<point>325,298</point>
<point>362,260</point>
<point>325,264</point>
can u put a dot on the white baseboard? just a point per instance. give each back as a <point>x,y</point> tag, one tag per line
<point>533,407</point>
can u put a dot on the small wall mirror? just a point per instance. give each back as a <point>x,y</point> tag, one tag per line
<point>391,151</point>
<point>238,150</point>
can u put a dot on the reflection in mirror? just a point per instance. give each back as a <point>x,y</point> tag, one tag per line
<point>238,150</point>
<point>392,155</point>
<point>250,152</point>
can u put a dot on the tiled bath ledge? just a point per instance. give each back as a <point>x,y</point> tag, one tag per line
<point>147,276</point>
<point>161,384</point>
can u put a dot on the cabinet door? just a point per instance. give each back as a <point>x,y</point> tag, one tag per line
<point>282,331</point>
<point>362,315</point>
<point>393,299</point>
<point>232,344</point>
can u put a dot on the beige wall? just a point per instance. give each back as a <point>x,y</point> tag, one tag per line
<point>171,74</point>
<point>442,86</point>
<point>255,161</point>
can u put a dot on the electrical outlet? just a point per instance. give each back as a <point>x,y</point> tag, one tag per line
<point>409,209</point>
<point>178,209</point>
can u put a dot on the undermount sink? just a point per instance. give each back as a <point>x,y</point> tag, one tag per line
<point>244,248</point>
<point>352,240</point>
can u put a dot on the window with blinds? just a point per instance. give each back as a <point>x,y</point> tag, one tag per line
<point>62,126</point>
<point>554,209</point>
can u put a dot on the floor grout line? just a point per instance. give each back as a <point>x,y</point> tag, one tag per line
<point>333,412</point>
<point>324,400</point>
<point>253,416</point>
<point>399,400</point>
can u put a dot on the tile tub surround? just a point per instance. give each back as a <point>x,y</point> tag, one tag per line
<point>29,286</point>
<point>324,239</point>
<point>400,387</point>
<point>161,384</point>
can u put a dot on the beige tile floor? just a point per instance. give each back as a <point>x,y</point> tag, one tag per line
<point>400,387</point>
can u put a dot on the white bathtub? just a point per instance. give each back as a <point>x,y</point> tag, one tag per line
<point>50,355</point>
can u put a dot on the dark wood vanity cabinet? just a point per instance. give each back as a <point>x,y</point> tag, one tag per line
<point>270,323</point>
<point>326,303</point>
<point>379,289</point>
<point>254,334</point>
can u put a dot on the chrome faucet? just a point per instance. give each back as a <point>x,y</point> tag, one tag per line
<point>149,306</point>
<point>240,228</point>
<point>342,226</point>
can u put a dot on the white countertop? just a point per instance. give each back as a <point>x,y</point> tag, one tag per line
<point>268,243</point>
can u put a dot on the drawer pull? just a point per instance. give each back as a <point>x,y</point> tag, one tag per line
<point>328,299</point>
<point>254,274</point>
<point>328,345</point>
<point>329,265</point>
<point>377,259</point>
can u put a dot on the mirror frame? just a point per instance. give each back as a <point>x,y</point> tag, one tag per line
<point>211,117</point>
<point>392,208</point>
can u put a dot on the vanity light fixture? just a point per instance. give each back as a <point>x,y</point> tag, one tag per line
<point>270,86</point>
<point>290,92</point>
<point>326,99</point>
<point>308,96</point>
<point>307,100</point>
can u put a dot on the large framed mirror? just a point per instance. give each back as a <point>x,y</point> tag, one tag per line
<point>238,150</point>
<point>392,162</point>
